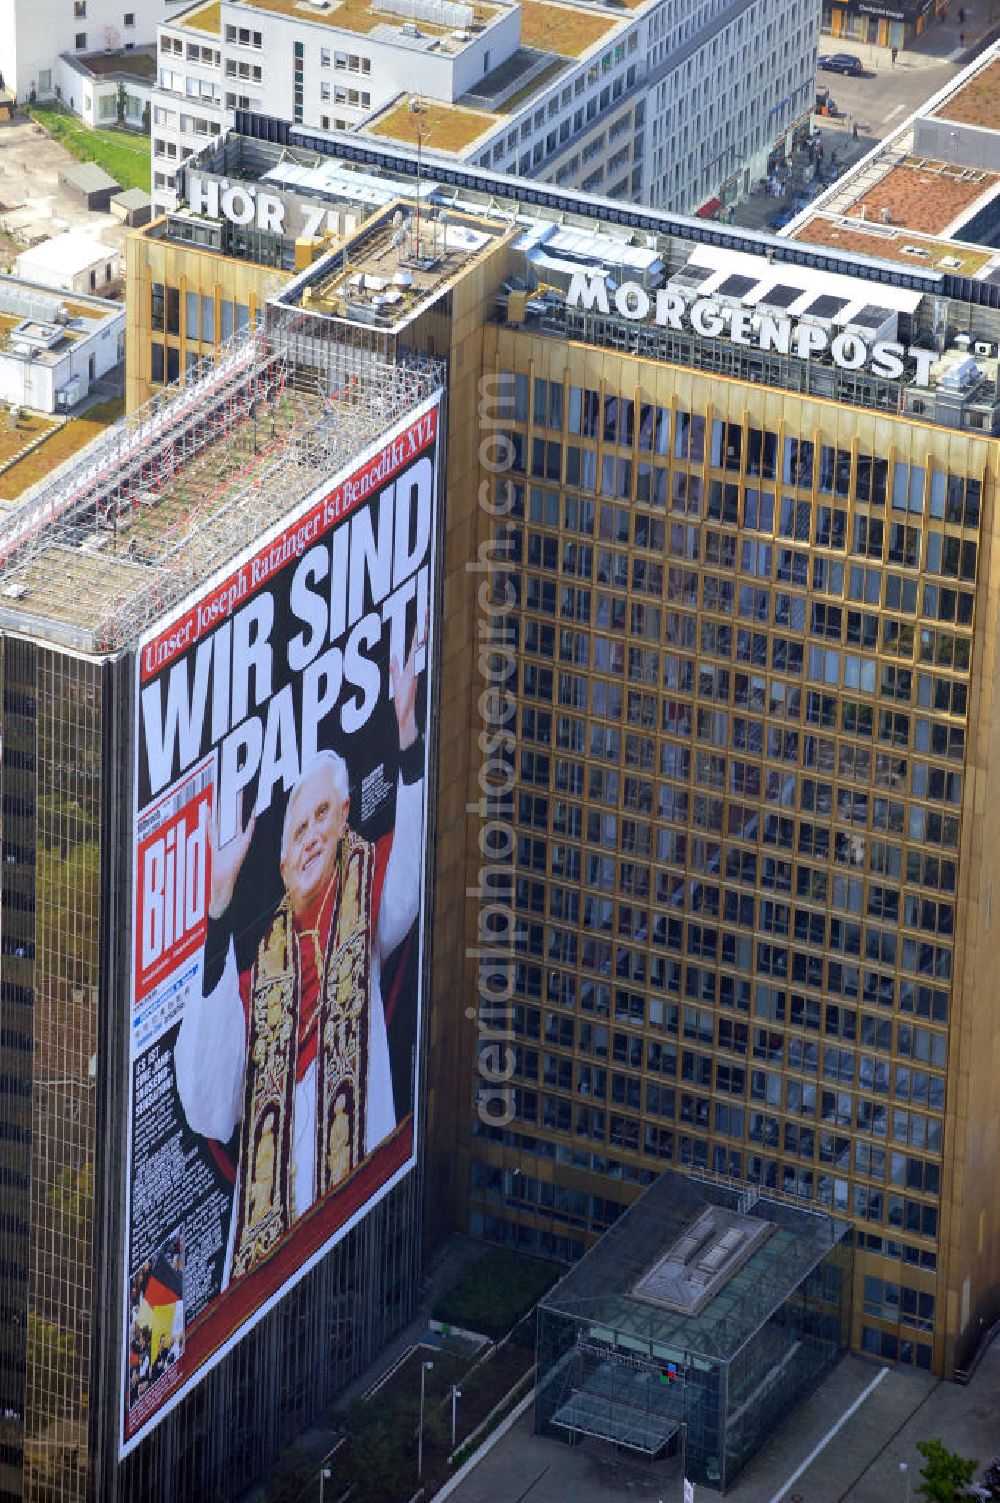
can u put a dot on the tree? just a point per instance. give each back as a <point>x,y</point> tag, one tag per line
<point>121,101</point>
<point>55,1375</point>
<point>945,1475</point>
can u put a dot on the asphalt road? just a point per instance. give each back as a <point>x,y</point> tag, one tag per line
<point>877,102</point>
<point>884,96</point>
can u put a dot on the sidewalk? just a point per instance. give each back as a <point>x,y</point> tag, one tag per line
<point>841,150</point>
<point>950,40</point>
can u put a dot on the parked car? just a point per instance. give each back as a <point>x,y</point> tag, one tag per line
<point>840,62</point>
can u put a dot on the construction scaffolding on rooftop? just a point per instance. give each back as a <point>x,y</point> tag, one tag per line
<point>151,510</point>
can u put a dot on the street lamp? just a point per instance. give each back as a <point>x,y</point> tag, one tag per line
<point>456,1393</point>
<point>904,1472</point>
<point>425,1368</point>
<point>325,1473</point>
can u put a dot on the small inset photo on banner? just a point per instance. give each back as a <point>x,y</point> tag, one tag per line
<point>156,1319</point>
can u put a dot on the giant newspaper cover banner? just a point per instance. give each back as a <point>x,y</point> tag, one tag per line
<point>280,808</point>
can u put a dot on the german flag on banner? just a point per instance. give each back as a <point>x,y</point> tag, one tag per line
<point>164,1286</point>
<point>161,1308</point>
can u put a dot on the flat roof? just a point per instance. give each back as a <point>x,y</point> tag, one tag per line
<point>112,539</point>
<point>443,127</point>
<point>924,195</point>
<point>205,18</point>
<point>132,198</point>
<point>88,176</point>
<point>39,328</point>
<point>68,253</point>
<point>355,16</point>
<point>889,243</point>
<point>61,442</point>
<point>548,25</point>
<point>713,1245</point>
<point>566,29</point>
<point>610,1287</point>
<point>383,276</point>
<point>26,299</point>
<point>132,62</point>
<point>826,249</point>
<point>976,102</point>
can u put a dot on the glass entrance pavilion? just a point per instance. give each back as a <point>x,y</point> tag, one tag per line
<point>695,1325</point>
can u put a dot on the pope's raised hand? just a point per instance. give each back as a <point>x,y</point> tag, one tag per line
<point>404,690</point>
<point>227,860</point>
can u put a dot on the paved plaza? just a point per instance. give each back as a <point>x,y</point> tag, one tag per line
<point>860,1463</point>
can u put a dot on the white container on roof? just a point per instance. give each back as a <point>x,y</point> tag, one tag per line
<point>331,179</point>
<point>573,248</point>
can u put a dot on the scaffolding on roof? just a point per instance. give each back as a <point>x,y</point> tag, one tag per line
<point>165,499</point>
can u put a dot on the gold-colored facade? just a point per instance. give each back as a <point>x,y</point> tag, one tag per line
<point>183,301</point>
<point>751,643</point>
<point>752,868</point>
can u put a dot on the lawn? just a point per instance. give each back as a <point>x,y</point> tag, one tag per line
<point>124,154</point>
<point>30,426</point>
<point>64,442</point>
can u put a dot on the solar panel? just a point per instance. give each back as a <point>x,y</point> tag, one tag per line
<point>781,295</point>
<point>736,286</point>
<point>872,316</point>
<point>826,306</point>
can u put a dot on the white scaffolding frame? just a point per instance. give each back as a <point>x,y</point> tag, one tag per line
<point>143,515</point>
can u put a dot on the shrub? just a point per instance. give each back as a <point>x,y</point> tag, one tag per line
<point>495,1292</point>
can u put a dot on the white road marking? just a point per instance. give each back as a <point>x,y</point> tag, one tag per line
<point>898,110</point>
<point>833,1429</point>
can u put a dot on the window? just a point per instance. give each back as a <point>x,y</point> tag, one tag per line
<point>129,18</point>
<point>79,9</point>
<point>80,42</point>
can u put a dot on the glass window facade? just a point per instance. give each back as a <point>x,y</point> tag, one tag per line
<point>744,661</point>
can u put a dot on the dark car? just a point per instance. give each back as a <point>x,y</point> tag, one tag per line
<point>840,62</point>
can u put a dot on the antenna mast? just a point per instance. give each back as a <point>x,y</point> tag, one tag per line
<point>417,108</point>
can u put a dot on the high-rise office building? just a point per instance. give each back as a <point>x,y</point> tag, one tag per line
<point>214,780</point>
<point>678,105</point>
<point>713,855</point>
<point>747,634</point>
